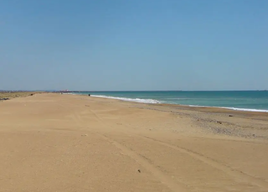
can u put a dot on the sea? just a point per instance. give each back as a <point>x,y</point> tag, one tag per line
<point>235,100</point>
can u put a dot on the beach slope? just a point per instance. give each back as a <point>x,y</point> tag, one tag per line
<point>64,143</point>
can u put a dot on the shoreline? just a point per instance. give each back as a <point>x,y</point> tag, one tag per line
<point>201,108</point>
<point>152,101</point>
<point>226,110</point>
<point>221,121</point>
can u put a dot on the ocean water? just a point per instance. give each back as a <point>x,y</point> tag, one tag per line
<point>236,100</point>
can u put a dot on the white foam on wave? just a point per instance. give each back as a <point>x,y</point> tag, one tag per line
<point>138,100</point>
<point>245,109</point>
<point>234,108</point>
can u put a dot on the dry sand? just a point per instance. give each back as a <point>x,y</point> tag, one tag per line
<point>53,142</point>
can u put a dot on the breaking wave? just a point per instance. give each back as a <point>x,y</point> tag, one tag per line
<point>138,100</point>
<point>233,108</point>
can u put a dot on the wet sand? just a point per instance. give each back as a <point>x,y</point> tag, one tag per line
<point>54,142</point>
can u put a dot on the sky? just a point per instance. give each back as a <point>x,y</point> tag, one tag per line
<point>133,45</point>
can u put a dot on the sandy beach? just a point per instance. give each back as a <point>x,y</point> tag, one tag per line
<point>60,142</point>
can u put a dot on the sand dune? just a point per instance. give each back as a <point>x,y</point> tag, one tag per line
<point>53,142</point>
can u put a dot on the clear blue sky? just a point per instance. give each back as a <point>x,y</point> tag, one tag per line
<point>134,45</point>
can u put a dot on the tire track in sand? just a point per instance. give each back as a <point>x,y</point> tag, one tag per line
<point>237,175</point>
<point>164,179</point>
